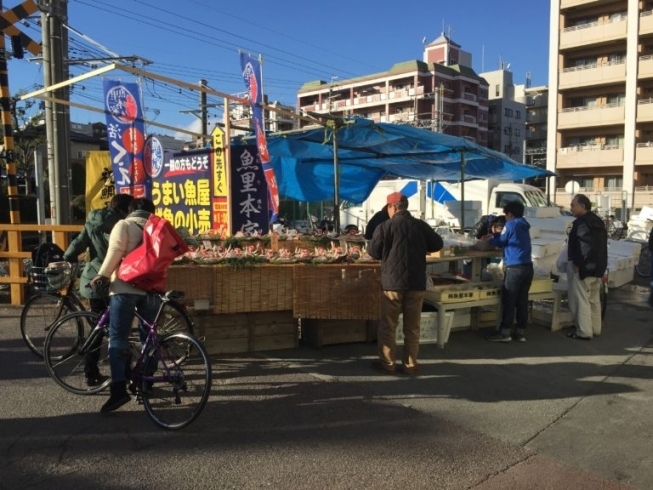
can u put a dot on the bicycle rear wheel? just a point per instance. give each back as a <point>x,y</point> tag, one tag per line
<point>175,394</point>
<point>63,355</point>
<point>37,317</point>
<point>643,266</point>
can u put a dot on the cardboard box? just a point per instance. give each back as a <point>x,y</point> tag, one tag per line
<point>428,332</point>
<point>444,252</point>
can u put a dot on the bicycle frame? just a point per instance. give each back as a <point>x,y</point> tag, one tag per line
<point>149,347</point>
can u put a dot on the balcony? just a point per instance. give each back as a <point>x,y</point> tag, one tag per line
<point>646,22</point>
<point>644,153</point>
<point>539,134</point>
<point>469,96</point>
<point>595,74</point>
<point>538,118</point>
<point>592,33</point>
<point>590,157</point>
<point>401,117</point>
<point>581,117</point>
<point>645,67</point>
<point>565,4</point>
<point>645,110</point>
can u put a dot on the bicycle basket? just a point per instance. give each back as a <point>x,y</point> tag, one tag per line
<point>58,275</point>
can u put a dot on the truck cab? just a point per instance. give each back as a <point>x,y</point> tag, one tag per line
<point>529,196</point>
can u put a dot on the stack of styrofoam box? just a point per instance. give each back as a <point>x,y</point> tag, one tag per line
<point>622,258</point>
<point>640,225</point>
<point>547,241</point>
<point>473,211</point>
<point>549,212</point>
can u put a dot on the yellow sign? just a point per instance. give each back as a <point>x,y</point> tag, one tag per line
<point>219,164</point>
<point>100,187</point>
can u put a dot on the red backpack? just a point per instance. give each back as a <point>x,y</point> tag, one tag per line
<point>146,267</point>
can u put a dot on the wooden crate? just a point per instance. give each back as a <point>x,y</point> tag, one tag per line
<point>327,332</point>
<point>247,332</point>
<point>253,289</point>
<point>452,295</point>
<point>337,291</point>
<point>489,293</point>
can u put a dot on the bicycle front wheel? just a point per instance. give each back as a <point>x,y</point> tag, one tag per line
<point>643,267</point>
<point>37,317</point>
<point>75,351</point>
<point>175,394</point>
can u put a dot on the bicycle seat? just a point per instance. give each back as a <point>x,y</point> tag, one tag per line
<point>174,295</point>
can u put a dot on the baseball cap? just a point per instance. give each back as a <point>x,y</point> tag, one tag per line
<point>395,197</point>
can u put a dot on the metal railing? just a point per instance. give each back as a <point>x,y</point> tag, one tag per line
<point>13,253</point>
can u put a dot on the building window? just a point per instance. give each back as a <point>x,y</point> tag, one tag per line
<point>507,130</point>
<point>517,132</point>
<point>614,182</point>
<point>586,182</point>
<point>517,114</point>
<point>507,149</point>
<point>497,90</point>
<point>508,112</point>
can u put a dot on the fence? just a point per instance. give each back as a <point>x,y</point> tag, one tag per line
<point>11,250</point>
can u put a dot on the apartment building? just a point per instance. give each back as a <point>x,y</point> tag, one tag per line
<point>507,115</point>
<point>441,92</point>
<point>536,101</point>
<point>600,104</point>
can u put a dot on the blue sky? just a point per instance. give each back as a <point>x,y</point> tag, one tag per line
<point>300,41</point>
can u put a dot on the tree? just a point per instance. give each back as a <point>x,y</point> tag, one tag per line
<point>29,133</point>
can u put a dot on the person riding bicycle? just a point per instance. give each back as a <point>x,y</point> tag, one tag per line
<point>95,238</point>
<point>124,299</point>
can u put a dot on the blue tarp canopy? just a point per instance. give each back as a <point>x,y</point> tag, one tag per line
<point>367,151</point>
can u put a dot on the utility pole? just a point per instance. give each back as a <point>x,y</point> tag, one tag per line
<point>49,116</point>
<point>7,126</point>
<point>203,112</point>
<point>61,112</point>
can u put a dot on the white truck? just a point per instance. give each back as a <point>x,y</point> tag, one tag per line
<point>441,202</point>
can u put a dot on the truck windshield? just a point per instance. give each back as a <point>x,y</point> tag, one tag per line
<point>537,199</point>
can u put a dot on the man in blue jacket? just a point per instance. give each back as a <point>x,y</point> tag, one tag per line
<point>515,239</point>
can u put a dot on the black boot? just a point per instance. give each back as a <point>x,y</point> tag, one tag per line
<point>118,398</point>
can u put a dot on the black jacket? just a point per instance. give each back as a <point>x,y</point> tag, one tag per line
<point>401,243</point>
<point>378,218</point>
<point>588,245</point>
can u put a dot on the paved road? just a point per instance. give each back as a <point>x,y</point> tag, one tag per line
<point>552,413</point>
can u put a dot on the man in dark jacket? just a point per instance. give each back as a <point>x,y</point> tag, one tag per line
<point>588,256</point>
<point>515,239</point>
<point>95,238</point>
<point>401,243</point>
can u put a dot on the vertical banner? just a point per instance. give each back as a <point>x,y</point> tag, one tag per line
<point>126,137</point>
<point>249,192</point>
<point>220,201</point>
<point>182,191</point>
<point>99,180</point>
<point>252,76</point>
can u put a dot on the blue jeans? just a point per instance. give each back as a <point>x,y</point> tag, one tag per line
<point>514,297</point>
<point>120,323</point>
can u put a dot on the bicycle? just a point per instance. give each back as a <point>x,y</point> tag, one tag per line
<point>57,297</point>
<point>171,377</point>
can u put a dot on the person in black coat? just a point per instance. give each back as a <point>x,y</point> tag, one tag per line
<point>588,258</point>
<point>401,243</point>
<point>378,218</point>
